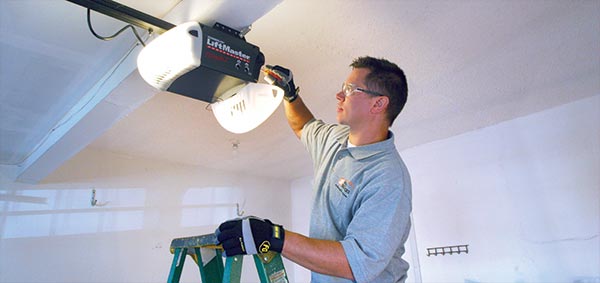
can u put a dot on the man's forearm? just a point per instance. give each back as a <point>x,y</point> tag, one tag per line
<point>297,115</point>
<point>321,256</point>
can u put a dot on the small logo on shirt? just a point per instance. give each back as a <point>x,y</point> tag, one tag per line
<point>344,186</point>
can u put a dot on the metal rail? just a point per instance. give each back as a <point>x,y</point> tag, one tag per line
<point>126,14</point>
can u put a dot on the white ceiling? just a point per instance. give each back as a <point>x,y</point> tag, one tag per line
<point>470,64</point>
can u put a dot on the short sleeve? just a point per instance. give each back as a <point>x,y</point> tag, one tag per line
<point>318,137</point>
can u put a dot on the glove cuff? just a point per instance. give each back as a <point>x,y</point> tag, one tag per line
<point>278,237</point>
<point>290,97</point>
<point>275,240</point>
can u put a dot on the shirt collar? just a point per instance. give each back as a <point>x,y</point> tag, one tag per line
<point>365,151</point>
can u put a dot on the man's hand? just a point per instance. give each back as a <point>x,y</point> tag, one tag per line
<point>283,78</point>
<point>250,235</point>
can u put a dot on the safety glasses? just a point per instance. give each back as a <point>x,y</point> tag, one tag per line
<point>348,89</point>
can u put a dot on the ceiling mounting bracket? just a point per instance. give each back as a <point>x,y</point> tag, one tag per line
<point>228,30</point>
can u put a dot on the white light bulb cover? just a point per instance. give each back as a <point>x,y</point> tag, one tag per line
<point>249,107</point>
<point>170,55</point>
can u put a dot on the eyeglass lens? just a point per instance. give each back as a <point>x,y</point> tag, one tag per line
<point>347,89</point>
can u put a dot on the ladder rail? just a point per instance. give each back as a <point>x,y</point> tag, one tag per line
<point>177,265</point>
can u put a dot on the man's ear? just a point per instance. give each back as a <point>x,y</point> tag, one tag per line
<point>380,104</point>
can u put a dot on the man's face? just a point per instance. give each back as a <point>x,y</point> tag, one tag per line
<point>353,110</point>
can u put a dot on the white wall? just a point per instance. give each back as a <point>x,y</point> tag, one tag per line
<point>523,194</point>
<point>301,194</point>
<point>145,205</point>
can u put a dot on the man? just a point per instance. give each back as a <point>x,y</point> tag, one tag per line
<point>362,196</point>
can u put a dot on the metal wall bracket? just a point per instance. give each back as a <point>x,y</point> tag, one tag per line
<point>448,250</point>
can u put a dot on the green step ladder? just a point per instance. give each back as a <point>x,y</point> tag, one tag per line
<point>208,256</point>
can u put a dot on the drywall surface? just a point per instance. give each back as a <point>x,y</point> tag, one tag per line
<point>523,194</point>
<point>50,232</point>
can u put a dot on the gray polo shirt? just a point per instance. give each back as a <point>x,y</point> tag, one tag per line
<point>362,198</point>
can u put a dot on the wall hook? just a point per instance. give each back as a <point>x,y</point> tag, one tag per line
<point>93,201</point>
<point>237,207</point>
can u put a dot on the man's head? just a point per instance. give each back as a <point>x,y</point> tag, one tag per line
<point>385,78</point>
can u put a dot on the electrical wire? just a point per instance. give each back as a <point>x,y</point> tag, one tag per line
<point>107,38</point>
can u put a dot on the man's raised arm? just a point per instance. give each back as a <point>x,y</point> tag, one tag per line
<point>296,111</point>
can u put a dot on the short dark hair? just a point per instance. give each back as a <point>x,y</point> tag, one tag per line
<point>386,78</point>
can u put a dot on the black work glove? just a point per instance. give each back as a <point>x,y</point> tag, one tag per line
<point>250,235</point>
<point>283,78</point>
